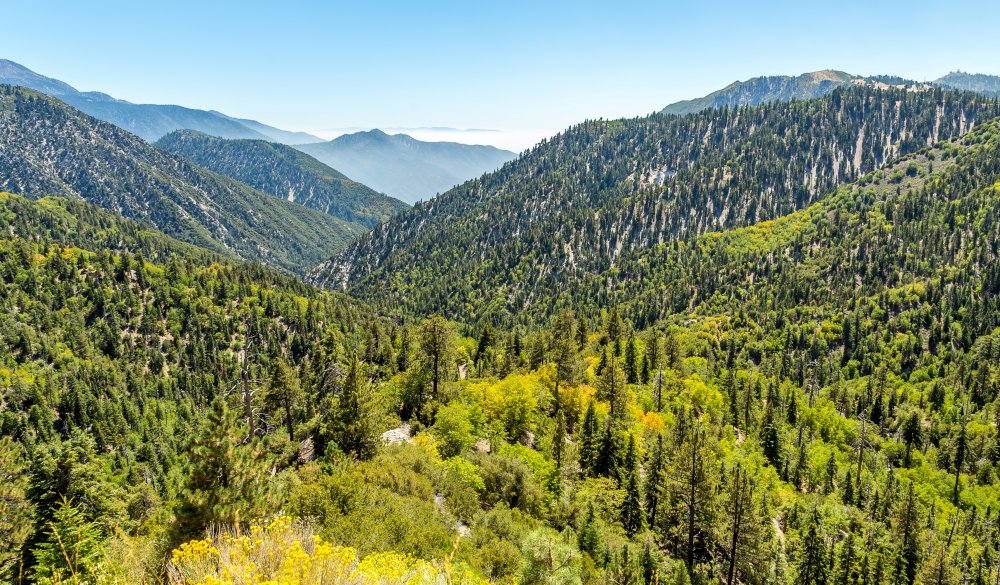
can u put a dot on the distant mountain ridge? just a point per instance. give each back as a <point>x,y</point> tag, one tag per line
<point>783,88</point>
<point>758,90</point>
<point>284,172</point>
<point>48,148</point>
<point>404,167</point>
<point>977,82</point>
<point>148,121</point>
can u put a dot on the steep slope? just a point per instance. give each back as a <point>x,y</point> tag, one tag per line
<point>518,241</point>
<point>285,173</point>
<point>89,227</point>
<point>148,121</point>
<point>404,167</point>
<point>761,90</point>
<point>932,219</point>
<point>48,148</point>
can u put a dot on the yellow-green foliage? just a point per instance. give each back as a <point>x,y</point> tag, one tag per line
<point>286,552</point>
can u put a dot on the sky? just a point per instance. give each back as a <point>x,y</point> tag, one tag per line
<point>507,72</point>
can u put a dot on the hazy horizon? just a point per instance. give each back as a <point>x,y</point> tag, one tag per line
<point>520,71</point>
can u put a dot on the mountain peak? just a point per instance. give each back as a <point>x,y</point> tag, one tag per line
<point>404,167</point>
<point>12,73</point>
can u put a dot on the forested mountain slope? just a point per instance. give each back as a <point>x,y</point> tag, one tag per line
<point>809,400</point>
<point>927,225</point>
<point>286,173</point>
<point>114,341</point>
<point>48,148</point>
<point>520,240</point>
<point>759,90</point>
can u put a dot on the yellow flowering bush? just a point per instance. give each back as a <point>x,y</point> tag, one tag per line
<point>286,552</point>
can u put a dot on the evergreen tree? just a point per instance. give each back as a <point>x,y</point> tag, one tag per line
<point>813,564</point>
<point>771,436</point>
<point>847,569</point>
<point>226,480</point>
<point>961,447</point>
<point>654,481</point>
<point>589,537</point>
<point>693,488</point>
<point>436,350</point>
<point>284,393</point>
<point>353,422</point>
<point>631,365</point>
<point>15,509</point>
<point>907,537</point>
<point>631,510</point>
<point>589,441</point>
<point>72,551</point>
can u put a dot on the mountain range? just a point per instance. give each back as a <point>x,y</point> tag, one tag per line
<point>746,345</point>
<point>284,172</point>
<point>404,167</point>
<point>759,90</point>
<point>48,148</point>
<point>398,165</point>
<point>148,121</point>
<point>553,226</point>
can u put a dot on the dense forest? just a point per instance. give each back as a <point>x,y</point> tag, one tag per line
<point>513,246</point>
<point>284,172</point>
<point>802,391</point>
<point>48,148</point>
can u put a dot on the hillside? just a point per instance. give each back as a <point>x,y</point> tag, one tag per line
<point>285,173</point>
<point>406,168</point>
<point>519,241</point>
<point>814,394</point>
<point>760,90</point>
<point>48,148</point>
<point>148,121</point>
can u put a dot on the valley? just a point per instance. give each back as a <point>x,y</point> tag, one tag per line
<point>752,338</point>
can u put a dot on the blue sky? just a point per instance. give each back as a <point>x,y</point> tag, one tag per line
<point>527,68</point>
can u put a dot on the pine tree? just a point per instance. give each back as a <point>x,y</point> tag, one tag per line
<point>693,487</point>
<point>609,451</point>
<point>830,477</point>
<point>611,387</point>
<point>226,480</point>
<point>589,538</point>
<point>961,447</point>
<point>744,535</point>
<point>613,326</point>
<point>631,510</point>
<point>284,393</point>
<point>848,495</point>
<point>72,550</point>
<point>907,536</point>
<point>813,563</point>
<point>436,350</point>
<point>771,436</point>
<point>847,570</point>
<point>654,481</point>
<point>353,423</point>
<point>631,365</point>
<point>15,509</point>
<point>589,441</point>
